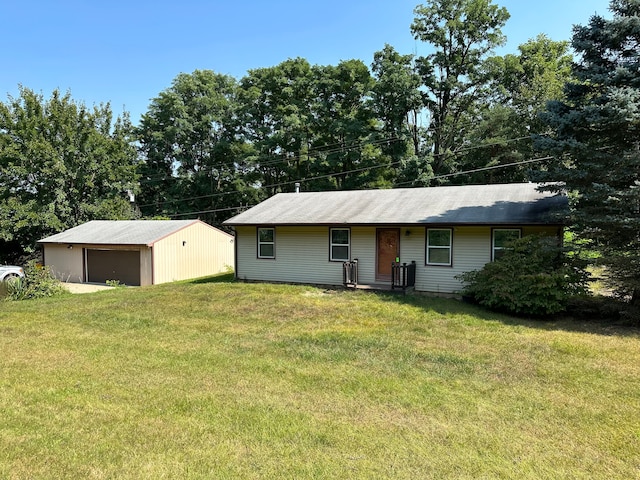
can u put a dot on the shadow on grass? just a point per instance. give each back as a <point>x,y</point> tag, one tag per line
<point>220,278</point>
<point>584,322</point>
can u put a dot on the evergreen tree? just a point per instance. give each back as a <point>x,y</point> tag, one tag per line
<point>596,141</point>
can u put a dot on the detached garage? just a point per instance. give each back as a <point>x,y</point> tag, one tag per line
<point>138,252</point>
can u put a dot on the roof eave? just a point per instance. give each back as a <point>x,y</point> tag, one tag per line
<point>396,224</point>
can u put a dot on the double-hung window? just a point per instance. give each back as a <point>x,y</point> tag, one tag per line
<point>439,246</point>
<point>340,244</point>
<point>501,241</point>
<point>266,242</point>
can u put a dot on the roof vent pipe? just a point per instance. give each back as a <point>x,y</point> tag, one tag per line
<point>297,187</point>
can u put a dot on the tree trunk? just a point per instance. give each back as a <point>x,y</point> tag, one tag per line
<point>635,297</point>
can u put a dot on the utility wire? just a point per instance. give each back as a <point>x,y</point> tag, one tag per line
<point>493,167</point>
<point>230,193</point>
<point>482,169</point>
<point>335,148</point>
<point>219,194</point>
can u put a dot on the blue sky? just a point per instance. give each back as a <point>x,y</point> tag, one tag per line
<point>127,52</point>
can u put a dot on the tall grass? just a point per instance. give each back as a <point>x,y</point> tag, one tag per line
<point>225,380</point>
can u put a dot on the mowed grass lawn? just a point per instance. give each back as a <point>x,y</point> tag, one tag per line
<point>231,380</point>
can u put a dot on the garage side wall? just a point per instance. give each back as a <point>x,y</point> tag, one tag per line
<point>65,263</point>
<point>196,251</point>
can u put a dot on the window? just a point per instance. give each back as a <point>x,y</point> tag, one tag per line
<point>439,246</point>
<point>266,243</point>
<point>340,244</point>
<point>501,239</point>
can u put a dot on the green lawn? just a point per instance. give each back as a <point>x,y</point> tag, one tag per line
<point>230,380</point>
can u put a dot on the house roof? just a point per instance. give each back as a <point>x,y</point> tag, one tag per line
<point>506,204</point>
<point>120,232</point>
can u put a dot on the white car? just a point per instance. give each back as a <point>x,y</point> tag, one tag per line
<point>10,272</point>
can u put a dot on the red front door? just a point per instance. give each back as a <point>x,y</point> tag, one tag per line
<point>388,249</point>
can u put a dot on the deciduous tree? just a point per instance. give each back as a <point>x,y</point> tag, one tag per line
<point>61,164</point>
<point>463,33</point>
<point>189,150</point>
<point>504,127</point>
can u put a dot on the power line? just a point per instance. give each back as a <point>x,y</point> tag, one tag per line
<point>273,185</point>
<point>324,149</point>
<point>482,169</point>
<point>209,211</point>
<point>359,145</point>
<point>219,194</point>
<point>493,167</point>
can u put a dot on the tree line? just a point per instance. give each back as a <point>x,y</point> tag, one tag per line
<point>210,144</point>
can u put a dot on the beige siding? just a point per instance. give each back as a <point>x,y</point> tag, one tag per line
<point>68,264</point>
<point>65,263</point>
<point>471,250</point>
<point>196,251</point>
<point>363,247</point>
<point>302,255</point>
<point>146,267</point>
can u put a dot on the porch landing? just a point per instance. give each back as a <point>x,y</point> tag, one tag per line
<point>378,287</point>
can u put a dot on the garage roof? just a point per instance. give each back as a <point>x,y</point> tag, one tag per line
<point>516,203</point>
<point>120,232</point>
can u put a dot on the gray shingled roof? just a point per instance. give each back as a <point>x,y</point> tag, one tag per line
<point>119,232</point>
<point>517,203</point>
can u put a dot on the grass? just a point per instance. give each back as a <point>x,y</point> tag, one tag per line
<point>228,380</point>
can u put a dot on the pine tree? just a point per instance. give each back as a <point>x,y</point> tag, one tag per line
<point>596,140</point>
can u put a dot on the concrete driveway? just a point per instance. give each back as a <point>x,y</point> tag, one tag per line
<point>86,287</point>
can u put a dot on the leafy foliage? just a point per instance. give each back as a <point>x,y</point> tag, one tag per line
<point>187,147</point>
<point>211,145</point>
<point>521,86</point>
<point>61,164</point>
<point>533,277</point>
<point>463,33</point>
<point>38,282</point>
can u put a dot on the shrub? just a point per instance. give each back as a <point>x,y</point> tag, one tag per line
<point>533,277</point>
<point>604,309</point>
<point>39,282</point>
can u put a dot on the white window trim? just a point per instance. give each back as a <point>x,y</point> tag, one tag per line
<point>442,247</point>
<point>493,239</point>
<point>259,243</point>
<point>331,245</point>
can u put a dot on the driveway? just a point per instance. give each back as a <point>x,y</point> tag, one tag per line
<point>86,287</point>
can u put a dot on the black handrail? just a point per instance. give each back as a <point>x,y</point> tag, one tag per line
<point>403,276</point>
<point>350,273</point>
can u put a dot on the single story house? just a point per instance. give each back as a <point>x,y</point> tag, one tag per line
<point>312,237</point>
<point>138,252</point>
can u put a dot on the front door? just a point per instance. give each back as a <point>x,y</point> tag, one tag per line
<point>388,249</point>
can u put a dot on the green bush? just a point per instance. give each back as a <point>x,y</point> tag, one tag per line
<point>39,282</point>
<point>533,277</point>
